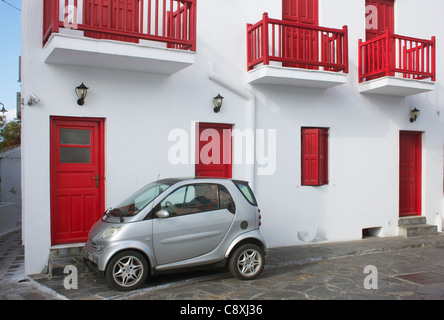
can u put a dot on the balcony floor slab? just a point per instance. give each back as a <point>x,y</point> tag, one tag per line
<point>110,54</point>
<point>276,75</point>
<point>394,86</point>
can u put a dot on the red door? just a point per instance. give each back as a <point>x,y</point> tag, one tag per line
<point>410,174</point>
<point>77,177</point>
<point>119,15</point>
<point>213,150</point>
<point>385,13</point>
<point>385,18</point>
<point>300,43</point>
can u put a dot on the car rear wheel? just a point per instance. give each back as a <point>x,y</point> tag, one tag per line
<point>127,270</point>
<point>247,262</point>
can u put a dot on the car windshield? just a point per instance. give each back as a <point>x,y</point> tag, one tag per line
<point>139,200</point>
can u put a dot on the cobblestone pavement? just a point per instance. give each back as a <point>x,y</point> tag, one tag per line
<point>14,284</point>
<point>415,273</point>
<point>383,269</point>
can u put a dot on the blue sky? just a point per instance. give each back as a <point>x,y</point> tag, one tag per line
<point>10,36</point>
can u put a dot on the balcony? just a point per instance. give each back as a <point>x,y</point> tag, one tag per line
<point>288,53</point>
<point>154,36</point>
<point>396,65</point>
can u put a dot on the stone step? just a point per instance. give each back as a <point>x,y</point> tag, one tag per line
<point>59,258</point>
<point>417,230</point>
<point>407,221</point>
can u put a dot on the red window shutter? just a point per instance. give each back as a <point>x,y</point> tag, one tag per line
<point>323,156</point>
<point>314,156</point>
<point>310,157</point>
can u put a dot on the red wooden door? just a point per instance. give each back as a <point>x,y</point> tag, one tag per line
<point>213,150</point>
<point>300,43</point>
<point>410,174</point>
<point>118,15</point>
<point>77,177</point>
<point>385,13</point>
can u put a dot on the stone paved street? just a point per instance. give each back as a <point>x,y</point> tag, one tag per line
<point>341,278</point>
<point>401,268</point>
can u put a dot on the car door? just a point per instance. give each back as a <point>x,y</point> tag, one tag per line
<point>199,218</point>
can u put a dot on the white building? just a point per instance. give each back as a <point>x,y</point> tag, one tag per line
<point>321,124</point>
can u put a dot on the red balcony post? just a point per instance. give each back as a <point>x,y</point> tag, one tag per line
<point>345,48</point>
<point>433,58</point>
<point>193,18</point>
<point>360,61</point>
<point>249,47</point>
<point>387,52</point>
<point>55,16</point>
<point>265,42</point>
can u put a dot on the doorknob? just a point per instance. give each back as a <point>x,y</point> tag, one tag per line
<point>97,179</point>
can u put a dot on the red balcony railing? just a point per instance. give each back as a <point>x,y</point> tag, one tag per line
<point>391,54</point>
<point>168,21</point>
<point>297,45</point>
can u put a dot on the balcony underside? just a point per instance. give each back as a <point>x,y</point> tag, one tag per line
<point>111,54</point>
<point>276,75</point>
<point>393,86</point>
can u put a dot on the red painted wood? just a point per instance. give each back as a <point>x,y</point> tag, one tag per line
<point>169,21</point>
<point>260,49</point>
<point>314,152</point>
<point>119,15</point>
<point>77,199</point>
<point>410,163</point>
<point>411,57</point>
<point>386,18</point>
<point>300,43</point>
<point>214,150</point>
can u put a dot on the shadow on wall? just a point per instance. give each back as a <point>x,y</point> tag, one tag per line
<point>10,189</point>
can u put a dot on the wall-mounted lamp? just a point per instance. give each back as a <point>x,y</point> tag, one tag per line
<point>217,101</point>
<point>3,110</point>
<point>81,92</point>
<point>33,99</point>
<point>414,114</point>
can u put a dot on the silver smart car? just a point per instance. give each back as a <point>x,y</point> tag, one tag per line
<point>175,224</point>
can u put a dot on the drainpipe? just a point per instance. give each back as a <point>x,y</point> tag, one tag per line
<point>250,113</point>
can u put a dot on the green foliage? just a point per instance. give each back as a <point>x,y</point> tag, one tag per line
<point>10,133</point>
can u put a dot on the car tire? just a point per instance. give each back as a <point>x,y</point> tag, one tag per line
<point>247,262</point>
<point>127,270</point>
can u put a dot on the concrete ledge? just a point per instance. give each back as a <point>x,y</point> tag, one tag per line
<point>394,86</point>
<point>110,54</point>
<point>275,75</point>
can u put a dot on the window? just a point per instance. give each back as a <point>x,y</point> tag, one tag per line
<point>197,198</point>
<point>314,145</point>
<point>75,145</point>
<point>246,191</point>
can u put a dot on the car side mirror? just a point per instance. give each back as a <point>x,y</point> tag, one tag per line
<point>162,214</point>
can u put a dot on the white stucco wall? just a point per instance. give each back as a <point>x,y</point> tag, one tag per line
<point>142,109</point>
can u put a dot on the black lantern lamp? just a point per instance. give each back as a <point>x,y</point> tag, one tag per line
<point>3,110</point>
<point>81,92</point>
<point>414,114</point>
<point>217,101</point>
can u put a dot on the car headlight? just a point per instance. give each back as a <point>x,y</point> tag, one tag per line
<point>111,232</point>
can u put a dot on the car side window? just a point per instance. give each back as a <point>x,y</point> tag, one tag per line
<point>197,198</point>
<point>225,199</point>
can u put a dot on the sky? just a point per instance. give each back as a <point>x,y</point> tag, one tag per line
<point>10,37</point>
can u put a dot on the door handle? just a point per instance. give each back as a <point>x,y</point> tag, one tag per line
<point>97,179</point>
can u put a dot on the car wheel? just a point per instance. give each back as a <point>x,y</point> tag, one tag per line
<point>247,262</point>
<point>127,270</point>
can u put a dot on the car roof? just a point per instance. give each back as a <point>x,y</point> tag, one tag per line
<point>176,180</point>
